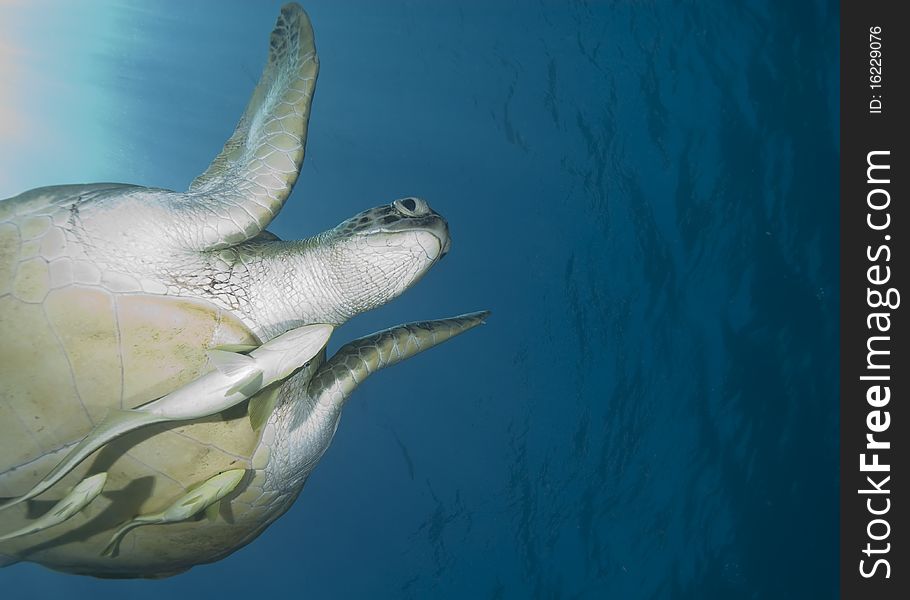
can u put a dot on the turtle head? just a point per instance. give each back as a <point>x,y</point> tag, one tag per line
<point>376,255</point>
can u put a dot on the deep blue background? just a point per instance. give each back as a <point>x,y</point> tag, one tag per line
<point>644,193</point>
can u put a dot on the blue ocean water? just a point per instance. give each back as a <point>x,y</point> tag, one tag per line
<point>645,195</point>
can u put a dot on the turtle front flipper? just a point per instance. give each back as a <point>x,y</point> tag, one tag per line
<point>253,176</point>
<point>78,498</point>
<point>192,503</point>
<point>356,361</point>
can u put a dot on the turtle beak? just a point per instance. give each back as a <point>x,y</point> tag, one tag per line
<point>416,215</point>
<point>440,229</point>
<point>434,224</point>
<point>446,246</point>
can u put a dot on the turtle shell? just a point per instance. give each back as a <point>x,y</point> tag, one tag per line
<point>72,352</point>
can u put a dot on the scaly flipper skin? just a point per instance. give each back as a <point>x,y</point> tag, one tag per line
<point>359,359</point>
<point>187,506</point>
<point>256,170</point>
<point>210,394</point>
<point>246,185</point>
<point>308,411</point>
<point>78,498</point>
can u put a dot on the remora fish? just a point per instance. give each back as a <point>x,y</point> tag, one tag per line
<point>236,378</point>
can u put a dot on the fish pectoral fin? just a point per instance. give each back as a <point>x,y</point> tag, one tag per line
<point>212,511</point>
<point>262,405</point>
<point>230,363</point>
<point>249,385</point>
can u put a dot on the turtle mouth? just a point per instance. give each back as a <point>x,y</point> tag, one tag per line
<point>433,246</point>
<point>406,219</point>
<point>439,230</point>
<point>432,233</point>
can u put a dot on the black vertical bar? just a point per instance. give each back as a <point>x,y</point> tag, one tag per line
<point>875,376</point>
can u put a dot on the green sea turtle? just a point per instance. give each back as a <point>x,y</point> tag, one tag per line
<point>118,295</point>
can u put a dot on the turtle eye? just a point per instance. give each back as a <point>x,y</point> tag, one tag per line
<point>411,207</point>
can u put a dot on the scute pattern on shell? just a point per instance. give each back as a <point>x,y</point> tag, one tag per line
<point>84,347</point>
